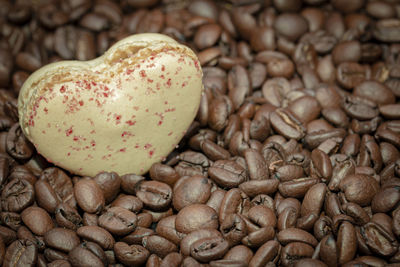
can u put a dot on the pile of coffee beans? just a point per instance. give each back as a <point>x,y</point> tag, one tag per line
<point>293,159</point>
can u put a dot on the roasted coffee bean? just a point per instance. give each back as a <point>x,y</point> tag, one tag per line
<point>18,145</point>
<point>291,25</point>
<point>131,254</point>
<point>351,74</point>
<point>371,232</point>
<point>227,173</point>
<point>109,183</point>
<point>208,249</point>
<point>87,253</point>
<point>159,245</point>
<point>67,216</point>
<point>118,220</point>
<point>295,251</point>
<point>194,217</point>
<point>386,30</point>
<point>360,108</point>
<point>21,252</point>
<point>61,184</point>
<point>128,202</point>
<point>61,239</point>
<point>153,194</point>
<point>181,198</point>
<point>89,195</point>
<point>37,220</point>
<point>17,195</point>
<point>45,196</point>
<point>287,124</point>
<point>359,188</point>
<point>375,92</point>
<point>98,235</point>
<point>128,182</point>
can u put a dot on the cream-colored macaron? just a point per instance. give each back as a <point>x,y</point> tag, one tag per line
<point>120,112</point>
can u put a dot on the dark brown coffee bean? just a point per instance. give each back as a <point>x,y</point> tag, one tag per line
<point>131,254</point>
<point>227,173</point>
<point>89,195</point>
<point>351,74</point>
<point>207,249</point>
<point>159,245</point>
<point>128,182</point>
<point>163,173</point>
<point>7,235</point>
<point>347,51</point>
<point>45,196</point>
<point>386,30</point>
<point>268,252</point>
<point>196,189</point>
<point>172,259</point>
<point>118,220</point>
<point>61,239</point>
<point>346,242</point>
<point>375,91</point>
<point>207,35</point>
<point>21,252</point>
<point>61,184</point>
<point>17,195</point>
<point>90,219</point>
<point>220,109</point>
<point>98,235</point>
<point>95,22</point>
<point>387,244</point>
<point>296,235</point>
<point>166,228</point>
<point>67,216</point>
<point>286,124</point>
<point>61,263</point>
<point>128,202</point>
<point>291,25</point>
<point>18,145</point>
<point>11,219</point>
<point>244,22</point>
<point>390,111</point>
<point>321,165</point>
<point>153,194</point>
<point>53,255</point>
<point>287,218</point>
<point>239,85</point>
<point>313,199</point>
<point>109,183</point>
<point>194,217</point>
<point>295,251</point>
<point>37,220</point>
<point>360,108</point>
<point>256,187</point>
<point>385,199</point>
<point>87,254</point>
<point>307,222</point>
<point>214,151</point>
<point>51,17</point>
<point>193,236</point>
<point>296,187</point>
<point>262,38</point>
<point>359,188</point>
<point>305,108</point>
<point>275,90</point>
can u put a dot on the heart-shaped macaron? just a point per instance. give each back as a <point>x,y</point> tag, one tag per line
<point>120,112</point>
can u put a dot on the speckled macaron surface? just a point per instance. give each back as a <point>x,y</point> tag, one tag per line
<point>120,112</point>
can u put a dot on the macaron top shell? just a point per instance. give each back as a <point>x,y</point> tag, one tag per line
<point>120,112</point>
